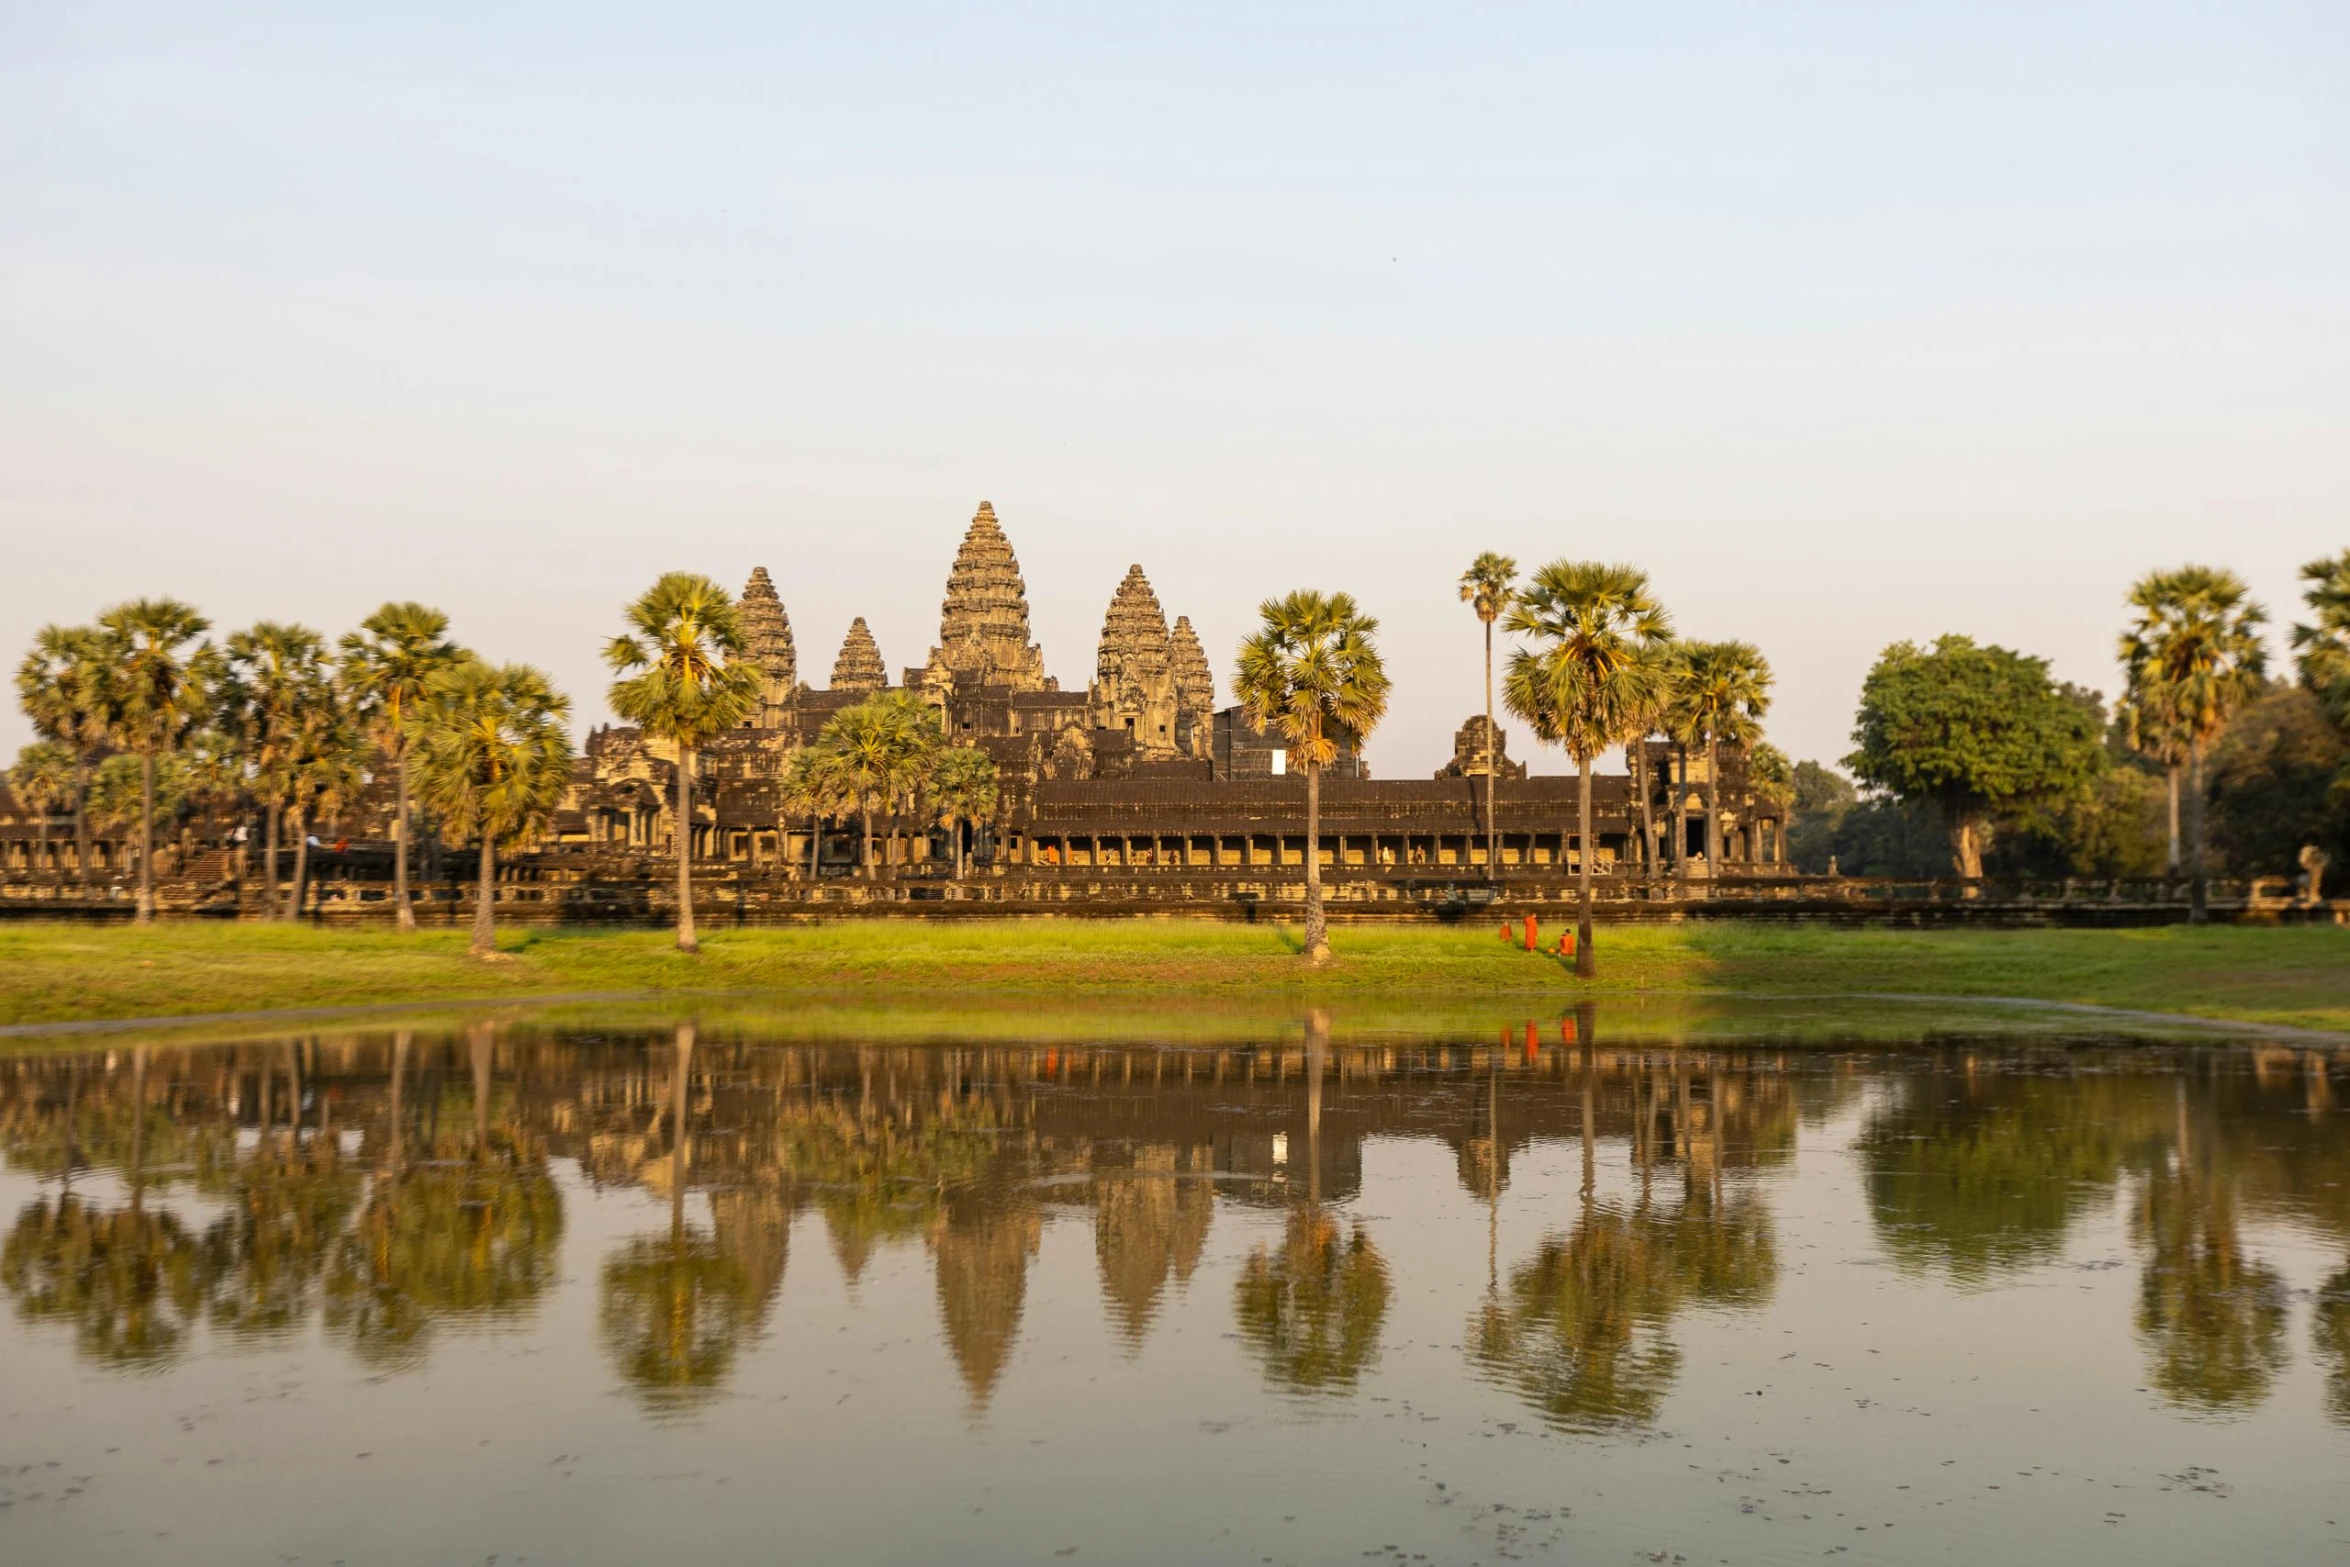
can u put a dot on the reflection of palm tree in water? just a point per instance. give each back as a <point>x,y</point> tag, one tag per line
<point>1582,1334</point>
<point>2331,1329</point>
<point>675,1307</point>
<point>1313,1314</point>
<point>130,1282</point>
<point>474,1239</point>
<point>2212,1318</point>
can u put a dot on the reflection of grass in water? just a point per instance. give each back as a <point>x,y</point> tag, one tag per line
<point>61,972</point>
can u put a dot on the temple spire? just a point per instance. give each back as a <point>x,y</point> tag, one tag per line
<point>983,625</point>
<point>859,667</point>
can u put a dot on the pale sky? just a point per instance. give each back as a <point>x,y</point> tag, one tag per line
<point>1850,323</point>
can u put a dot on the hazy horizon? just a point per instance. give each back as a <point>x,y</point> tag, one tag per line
<point>1850,326</point>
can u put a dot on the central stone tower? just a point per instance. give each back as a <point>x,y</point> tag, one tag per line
<point>1152,683</point>
<point>983,625</point>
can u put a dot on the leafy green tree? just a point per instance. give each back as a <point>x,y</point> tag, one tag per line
<point>44,779</point>
<point>1312,671</point>
<point>1819,799</point>
<point>155,691</point>
<point>683,681</point>
<point>493,761</point>
<point>388,664</point>
<point>1972,730</point>
<point>1594,679</point>
<point>281,673</point>
<point>878,752</point>
<point>2279,779</point>
<point>1485,588</point>
<point>1721,690</point>
<point>2193,657</point>
<point>2321,649</point>
<point>59,685</point>
<point>961,786</point>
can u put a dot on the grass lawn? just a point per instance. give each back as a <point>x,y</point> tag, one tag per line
<point>63,972</point>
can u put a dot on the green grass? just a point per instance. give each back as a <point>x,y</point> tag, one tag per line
<point>61,972</point>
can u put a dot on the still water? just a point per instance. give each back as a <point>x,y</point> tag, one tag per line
<point>1291,1291</point>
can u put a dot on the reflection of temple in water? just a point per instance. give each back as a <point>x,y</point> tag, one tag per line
<point>383,1186</point>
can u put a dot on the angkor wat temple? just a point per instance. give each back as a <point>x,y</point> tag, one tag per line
<point>1139,773</point>
<point>1137,790</point>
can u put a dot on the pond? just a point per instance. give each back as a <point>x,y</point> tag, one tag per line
<point>581,1287</point>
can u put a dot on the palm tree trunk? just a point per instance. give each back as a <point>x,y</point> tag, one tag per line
<point>1647,815</point>
<point>2173,778</point>
<point>81,821</point>
<point>1492,857</point>
<point>865,846</point>
<point>405,916</point>
<point>400,1046</point>
<point>269,862</point>
<point>485,913</point>
<point>1713,809</point>
<point>301,863</point>
<point>961,862</point>
<point>1586,961</point>
<point>1317,938</point>
<point>685,851</point>
<point>1678,827</point>
<point>146,908</point>
<point>2198,893</point>
<point>815,845</point>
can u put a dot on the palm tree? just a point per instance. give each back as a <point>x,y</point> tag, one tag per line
<point>961,787</point>
<point>493,760</point>
<point>2322,650</point>
<point>682,686</point>
<point>1485,587</point>
<point>155,691</point>
<point>1312,671</point>
<point>1592,682</point>
<point>880,751</point>
<point>387,664</point>
<point>2193,657</point>
<point>44,778</point>
<point>58,685</point>
<point>816,786</point>
<point>282,678</point>
<point>326,772</point>
<point>1722,690</point>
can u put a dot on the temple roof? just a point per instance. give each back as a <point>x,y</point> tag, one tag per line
<point>859,667</point>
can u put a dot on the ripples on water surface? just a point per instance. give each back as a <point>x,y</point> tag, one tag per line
<point>1294,1293</point>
